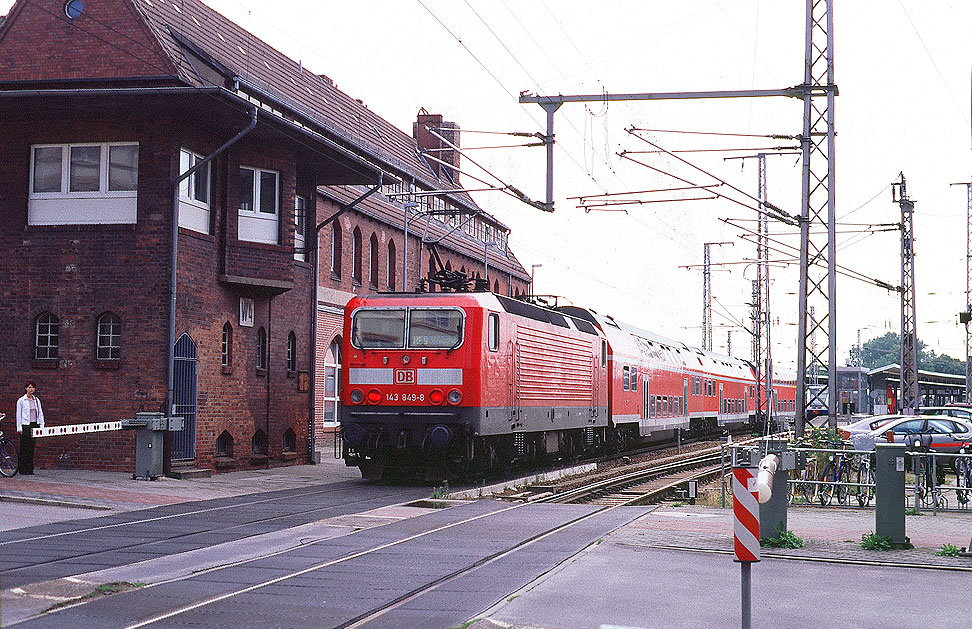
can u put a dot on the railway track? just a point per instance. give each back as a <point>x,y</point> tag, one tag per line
<point>650,483</point>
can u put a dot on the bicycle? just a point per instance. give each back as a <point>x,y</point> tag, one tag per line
<point>928,492</point>
<point>8,455</point>
<point>834,478</point>
<point>865,481</point>
<point>963,475</point>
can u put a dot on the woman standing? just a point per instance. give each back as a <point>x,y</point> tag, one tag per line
<point>30,415</point>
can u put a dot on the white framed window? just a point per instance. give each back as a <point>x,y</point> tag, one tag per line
<point>259,205</point>
<point>109,337</point>
<point>193,193</point>
<point>46,336</point>
<point>332,383</point>
<point>300,228</point>
<point>84,183</point>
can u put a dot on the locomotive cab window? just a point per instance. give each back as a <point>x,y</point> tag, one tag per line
<point>434,328</point>
<point>374,329</point>
<point>493,332</point>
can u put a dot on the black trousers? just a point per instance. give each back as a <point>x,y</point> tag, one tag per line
<point>26,465</point>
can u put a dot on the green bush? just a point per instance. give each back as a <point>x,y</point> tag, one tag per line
<point>873,541</point>
<point>948,550</point>
<point>784,539</point>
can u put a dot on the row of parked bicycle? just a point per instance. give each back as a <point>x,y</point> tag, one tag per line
<point>843,470</point>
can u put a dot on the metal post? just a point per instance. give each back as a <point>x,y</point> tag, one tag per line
<point>548,140</point>
<point>817,211</point>
<point>747,594</point>
<point>909,332</point>
<point>707,295</point>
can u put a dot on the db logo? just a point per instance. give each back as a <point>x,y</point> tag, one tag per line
<point>404,376</point>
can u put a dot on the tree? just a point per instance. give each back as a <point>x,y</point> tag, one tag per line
<point>886,350</point>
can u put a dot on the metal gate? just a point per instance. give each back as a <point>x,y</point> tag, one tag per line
<point>184,398</point>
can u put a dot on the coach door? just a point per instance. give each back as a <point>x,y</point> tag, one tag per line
<point>720,411</point>
<point>184,398</point>
<point>684,409</point>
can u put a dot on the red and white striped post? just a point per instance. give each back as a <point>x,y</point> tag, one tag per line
<point>745,511</point>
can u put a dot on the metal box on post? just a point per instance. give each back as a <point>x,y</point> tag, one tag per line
<point>149,435</point>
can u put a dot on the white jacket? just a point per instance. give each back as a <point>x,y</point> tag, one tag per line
<point>23,412</point>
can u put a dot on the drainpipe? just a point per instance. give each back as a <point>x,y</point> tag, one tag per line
<point>174,256</point>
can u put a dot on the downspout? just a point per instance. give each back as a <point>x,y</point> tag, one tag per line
<point>174,256</point>
<point>317,284</point>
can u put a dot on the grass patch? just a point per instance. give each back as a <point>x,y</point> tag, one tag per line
<point>441,491</point>
<point>873,541</point>
<point>949,550</point>
<point>913,511</point>
<point>784,539</point>
<point>105,589</point>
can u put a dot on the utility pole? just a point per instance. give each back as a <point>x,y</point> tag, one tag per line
<point>965,317</point>
<point>762,351</point>
<point>707,296</point>
<point>909,332</point>
<point>818,281</point>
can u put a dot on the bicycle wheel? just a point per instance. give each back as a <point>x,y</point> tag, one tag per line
<point>843,477</point>
<point>826,493</point>
<point>8,458</point>
<point>864,494</point>
<point>961,481</point>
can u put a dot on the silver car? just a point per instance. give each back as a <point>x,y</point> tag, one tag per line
<point>948,434</point>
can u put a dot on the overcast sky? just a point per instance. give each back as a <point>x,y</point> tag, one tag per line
<point>902,68</point>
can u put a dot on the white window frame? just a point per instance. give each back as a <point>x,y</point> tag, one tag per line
<point>97,207</point>
<point>300,238</point>
<point>193,212</point>
<point>255,225</point>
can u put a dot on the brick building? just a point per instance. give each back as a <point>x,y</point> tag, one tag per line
<point>166,177</point>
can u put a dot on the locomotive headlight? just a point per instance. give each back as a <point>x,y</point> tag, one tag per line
<point>455,396</point>
<point>406,359</point>
<point>374,396</point>
<point>357,396</point>
<point>436,396</point>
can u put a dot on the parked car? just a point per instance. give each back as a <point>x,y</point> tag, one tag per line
<point>866,425</point>
<point>948,434</point>
<point>950,411</point>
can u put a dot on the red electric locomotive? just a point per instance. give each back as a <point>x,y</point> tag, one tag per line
<point>459,382</point>
<point>453,382</point>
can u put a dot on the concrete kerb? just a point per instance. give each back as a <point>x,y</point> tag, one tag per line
<point>519,483</point>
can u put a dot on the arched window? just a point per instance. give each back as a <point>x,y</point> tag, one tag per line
<point>289,440</point>
<point>261,348</point>
<point>224,444</point>
<point>332,381</point>
<point>356,256</point>
<point>291,352</point>
<point>226,347</point>
<point>46,336</point>
<point>258,444</point>
<point>391,264</point>
<point>373,261</point>
<point>496,286</point>
<point>336,249</point>
<point>109,337</point>
<point>448,265</point>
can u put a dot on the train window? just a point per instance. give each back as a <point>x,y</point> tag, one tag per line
<point>434,328</point>
<point>664,406</point>
<point>372,329</point>
<point>493,331</point>
<point>603,353</point>
<point>634,378</point>
<point>626,378</point>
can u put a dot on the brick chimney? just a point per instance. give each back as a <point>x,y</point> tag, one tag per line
<point>436,147</point>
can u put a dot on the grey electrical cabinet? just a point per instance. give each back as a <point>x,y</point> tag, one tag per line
<point>150,431</point>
